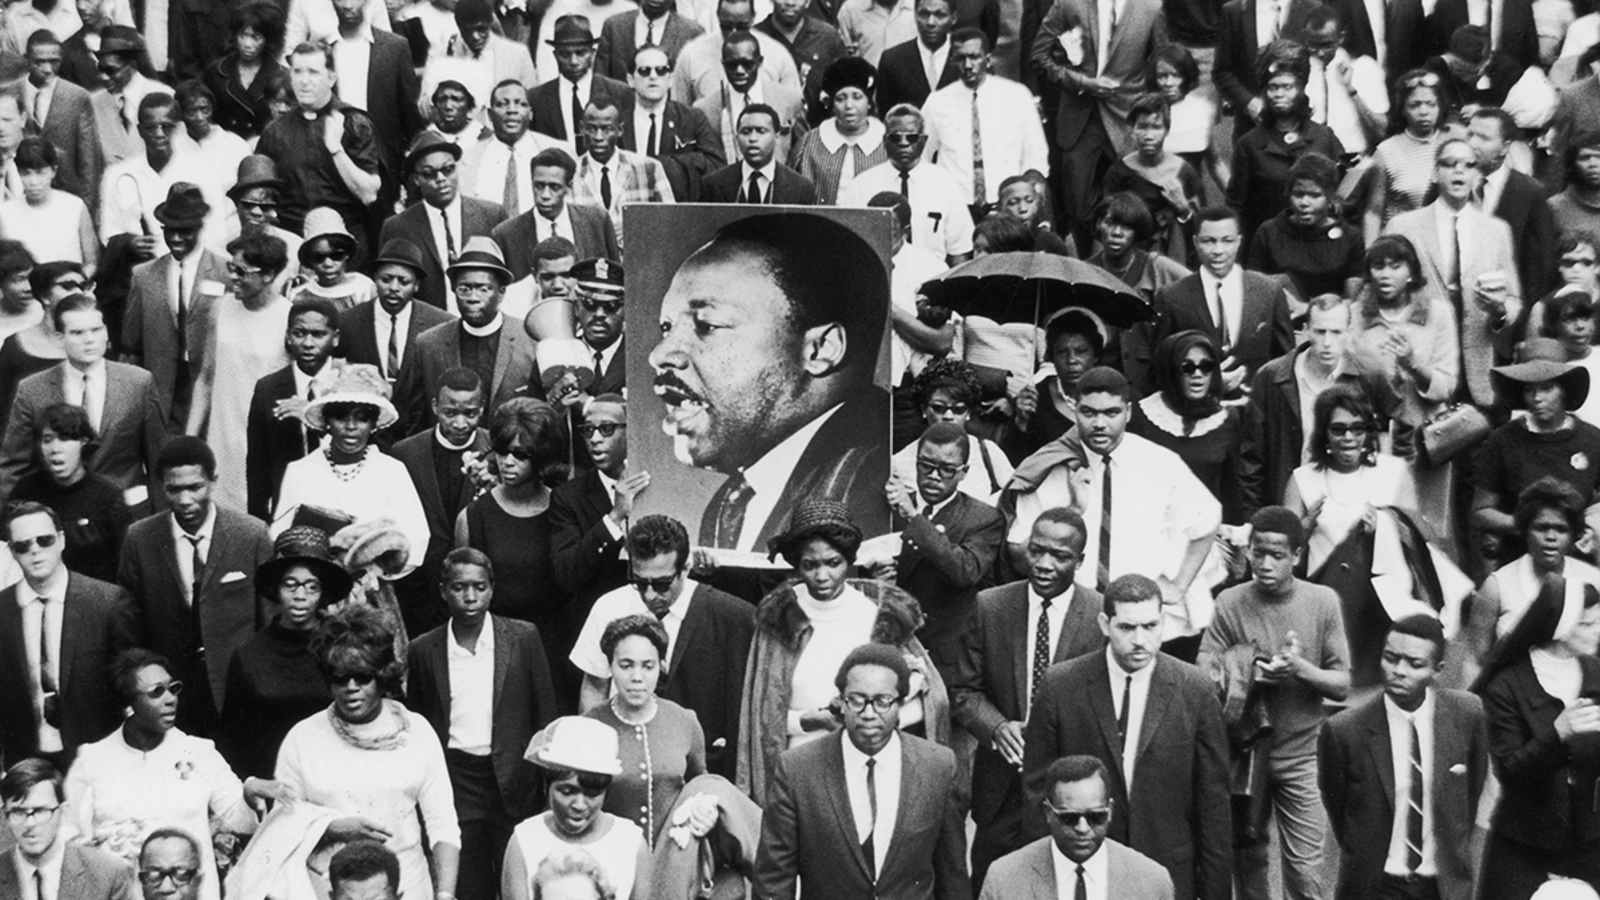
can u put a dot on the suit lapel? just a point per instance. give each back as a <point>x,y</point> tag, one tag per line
<point>1155,708</point>
<point>441,671</point>
<point>1382,751</point>
<point>913,797</point>
<point>502,658</point>
<point>693,619</point>
<point>74,874</point>
<point>1019,630</point>
<point>169,550</point>
<point>72,626</point>
<point>839,795</point>
<point>1106,713</point>
<point>509,341</point>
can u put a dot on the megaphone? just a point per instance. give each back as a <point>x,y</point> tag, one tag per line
<point>560,353</point>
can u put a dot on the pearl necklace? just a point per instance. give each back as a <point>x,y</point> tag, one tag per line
<point>348,472</point>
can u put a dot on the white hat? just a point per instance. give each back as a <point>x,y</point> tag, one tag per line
<point>1564,889</point>
<point>353,383</point>
<point>578,744</point>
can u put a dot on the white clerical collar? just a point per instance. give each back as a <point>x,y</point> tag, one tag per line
<point>484,330</point>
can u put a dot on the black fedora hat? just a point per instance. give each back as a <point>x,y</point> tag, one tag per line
<point>185,206</point>
<point>255,170</point>
<point>402,252</point>
<point>306,546</point>
<point>572,29</point>
<point>427,141</point>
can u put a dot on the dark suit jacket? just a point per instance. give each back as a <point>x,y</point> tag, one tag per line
<point>591,228</point>
<point>1030,874</point>
<point>69,125</point>
<point>943,561</point>
<point>416,452</point>
<point>97,625</point>
<point>686,145</point>
<point>1237,45</point>
<point>1181,816</point>
<point>271,443</point>
<point>523,702</point>
<point>1523,207</point>
<point>586,559</point>
<point>1402,25</point>
<point>901,78</point>
<point>1578,110</point>
<point>991,682</point>
<point>710,653</point>
<point>1264,329</point>
<point>548,98</point>
<point>150,327</point>
<point>614,56</point>
<point>808,830</point>
<point>478,219</point>
<point>132,431</point>
<point>516,373</point>
<point>230,609</point>
<point>1519,38</point>
<point>87,873</point>
<point>788,186</point>
<point>615,378</point>
<point>392,89</point>
<point>846,460</point>
<point>1356,768</point>
<point>358,333</point>
<point>1140,30</point>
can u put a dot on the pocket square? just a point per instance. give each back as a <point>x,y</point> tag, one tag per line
<point>719,743</point>
<point>1458,769</point>
<point>231,577</point>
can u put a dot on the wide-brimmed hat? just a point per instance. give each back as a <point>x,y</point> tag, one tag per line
<point>402,252</point>
<point>848,71</point>
<point>325,222</point>
<point>599,277</point>
<point>816,518</point>
<point>354,383</point>
<point>303,545</point>
<point>577,744</point>
<point>121,39</point>
<point>185,206</point>
<point>481,253</point>
<point>573,29</point>
<point>1539,360</point>
<point>255,171</point>
<point>427,141</point>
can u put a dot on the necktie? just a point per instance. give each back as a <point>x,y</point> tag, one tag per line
<point>1461,287</point>
<point>47,668</point>
<point>1081,892</point>
<point>1105,521</point>
<point>1122,715</point>
<point>91,403</point>
<point>391,359</point>
<point>1272,28</point>
<point>199,566</point>
<point>1041,647</point>
<point>38,119</point>
<point>753,193</point>
<point>651,146</point>
<point>510,197</point>
<point>979,189</point>
<point>905,185</point>
<point>577,122</point>
<point>449,239</point>
<point>183,313</point>
<point>867,848</point>
<point>1414,806</point>
<point>38,884</point>
<point>599,363</point>
<point>122,113</point>
<point>729,502</point>
<point>650,34</point>
<point>305,433</point>
<point>605,186</point>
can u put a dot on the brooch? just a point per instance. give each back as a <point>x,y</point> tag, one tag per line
<point>1580,461</point>
<point>1290,138</point>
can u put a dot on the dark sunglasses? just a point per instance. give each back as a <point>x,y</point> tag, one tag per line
<point>156,692</point>
<point>515,453</point>
<point>902,140</point>
<point>606,429</point>
<point>26,544</point>
<point>1070,818</point>
<point>1203,367</point>
<point>315,256</point>
<point>1341,430</point>
<point>152,878</point>
<point>659,585</point>
<point>647,71</point>
<point>362,679</point>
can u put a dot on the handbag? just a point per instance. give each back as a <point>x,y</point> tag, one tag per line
<point>1446,433</point>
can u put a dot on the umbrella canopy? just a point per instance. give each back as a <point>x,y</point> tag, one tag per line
<point>1030,287</point>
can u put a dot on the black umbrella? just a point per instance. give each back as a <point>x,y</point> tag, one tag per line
<point>1029,287</point>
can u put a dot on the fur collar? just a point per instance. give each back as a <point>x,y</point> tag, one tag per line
<point>899,615</point>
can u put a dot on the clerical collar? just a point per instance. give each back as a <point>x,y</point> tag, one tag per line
<point>483,330</point>
<point>438,435</point>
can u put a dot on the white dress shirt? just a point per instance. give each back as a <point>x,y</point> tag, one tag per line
<point>1494,187</point>
<point>39,99</point>
<point>49,870</point>
<point>561,224</point>
<point>383,324</point>
<point>941,221</point>
<point>352,59</point>
<point>471,691</point>
<point>768,475</point>
<point>42,621</point>
<point>130,190</point>
<point>483,167</point>
<point>1451,226</point>
<point>642,28</point>
<point>1138,698</point>
<point>764,174</point>
<point>564,100</point>
<point>1110,12</point>
<point>1334,105</point>
<point>641,125</point>
<point>1231,290</point>
<point>1377,17</point>
<point>438,221</point>
<point>933,63</point>
<point>184,550</point>
<point>86,388</point>
<point>613,605</point>
<point>1269,20</point>
<point>1400,756</point>
<point>1057,616</point>
<point>1096,874</point>
<point>181,285</point>
<point>1013,135</point>
<point>886,785</point>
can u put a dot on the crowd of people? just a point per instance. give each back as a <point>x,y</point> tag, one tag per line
<point>325,577</point>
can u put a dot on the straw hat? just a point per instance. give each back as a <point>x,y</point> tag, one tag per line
<point>303,545</point>
<point>481,253</point>
<point>354,383</point>
<point>577,744</point>
<point>324,222</point>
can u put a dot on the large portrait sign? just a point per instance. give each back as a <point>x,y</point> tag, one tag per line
<point>758,366</point>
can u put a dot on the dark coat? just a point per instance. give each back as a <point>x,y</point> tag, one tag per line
<point>901,78</point>
<point>392,89</point>
<point>548,98</point>
<point>1264,329</point>
<point>788,186</point>
<point>416,452</point>
<point>687,147</point>
<point>708,657</point>
<point>358,333</point>
<point>1237,46</point>
<point>591,228</point>
<point>132,432</point>
<point>1549,788</point>
<point>150,327</point>
<point>272,443</point>
<point>516,372</point>
<point>69,126</point>
<point>943,562</point>
<point>479,218</point>
<point>613,58</point>
<point>1522,206</point>
<point>87,873</point>
<point>1519,38</point>
<point>1403,22</point>
<point>586,558</point>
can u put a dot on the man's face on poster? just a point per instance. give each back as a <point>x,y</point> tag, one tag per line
<point>730,364</point>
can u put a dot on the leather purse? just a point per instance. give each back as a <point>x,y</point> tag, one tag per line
<point>1448,432</point>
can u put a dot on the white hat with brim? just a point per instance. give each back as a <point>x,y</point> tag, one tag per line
<point>576,744</point>
<point>354,383</point>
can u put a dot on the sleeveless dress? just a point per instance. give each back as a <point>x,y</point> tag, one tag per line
<point>617,852</point>
<point>519,547</point>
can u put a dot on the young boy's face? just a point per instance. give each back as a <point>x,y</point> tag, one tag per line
<point>327,263</point>
<point>1272,560</point>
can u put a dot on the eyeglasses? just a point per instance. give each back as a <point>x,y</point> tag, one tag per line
<point>311,586</point>
<point>1203,367</point>
<point>941,409</point>
<point>516,453</point>
<point>362,679</point>
<point>1340,430</point>
<point>448,170</point>
<point>473,289</point>
<point>740,63</point>
<point>29,813</point>
<point>902,140</point>
<point>647,71</point>
<point>152,878</point>
<point>659,585</point>
<point>26,544</point>
<point>72,284</point>
<point>1568,262</point>
<point>157,691</point>
<point>606,429</point>
<point>928,467</point>
<point>260,205</point>
<point>610,307</point>
<point>1427,79</point>
<point>241,271</point>
<point>316,257</point>
<point>882,702</point>
<point>1069,818</point>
